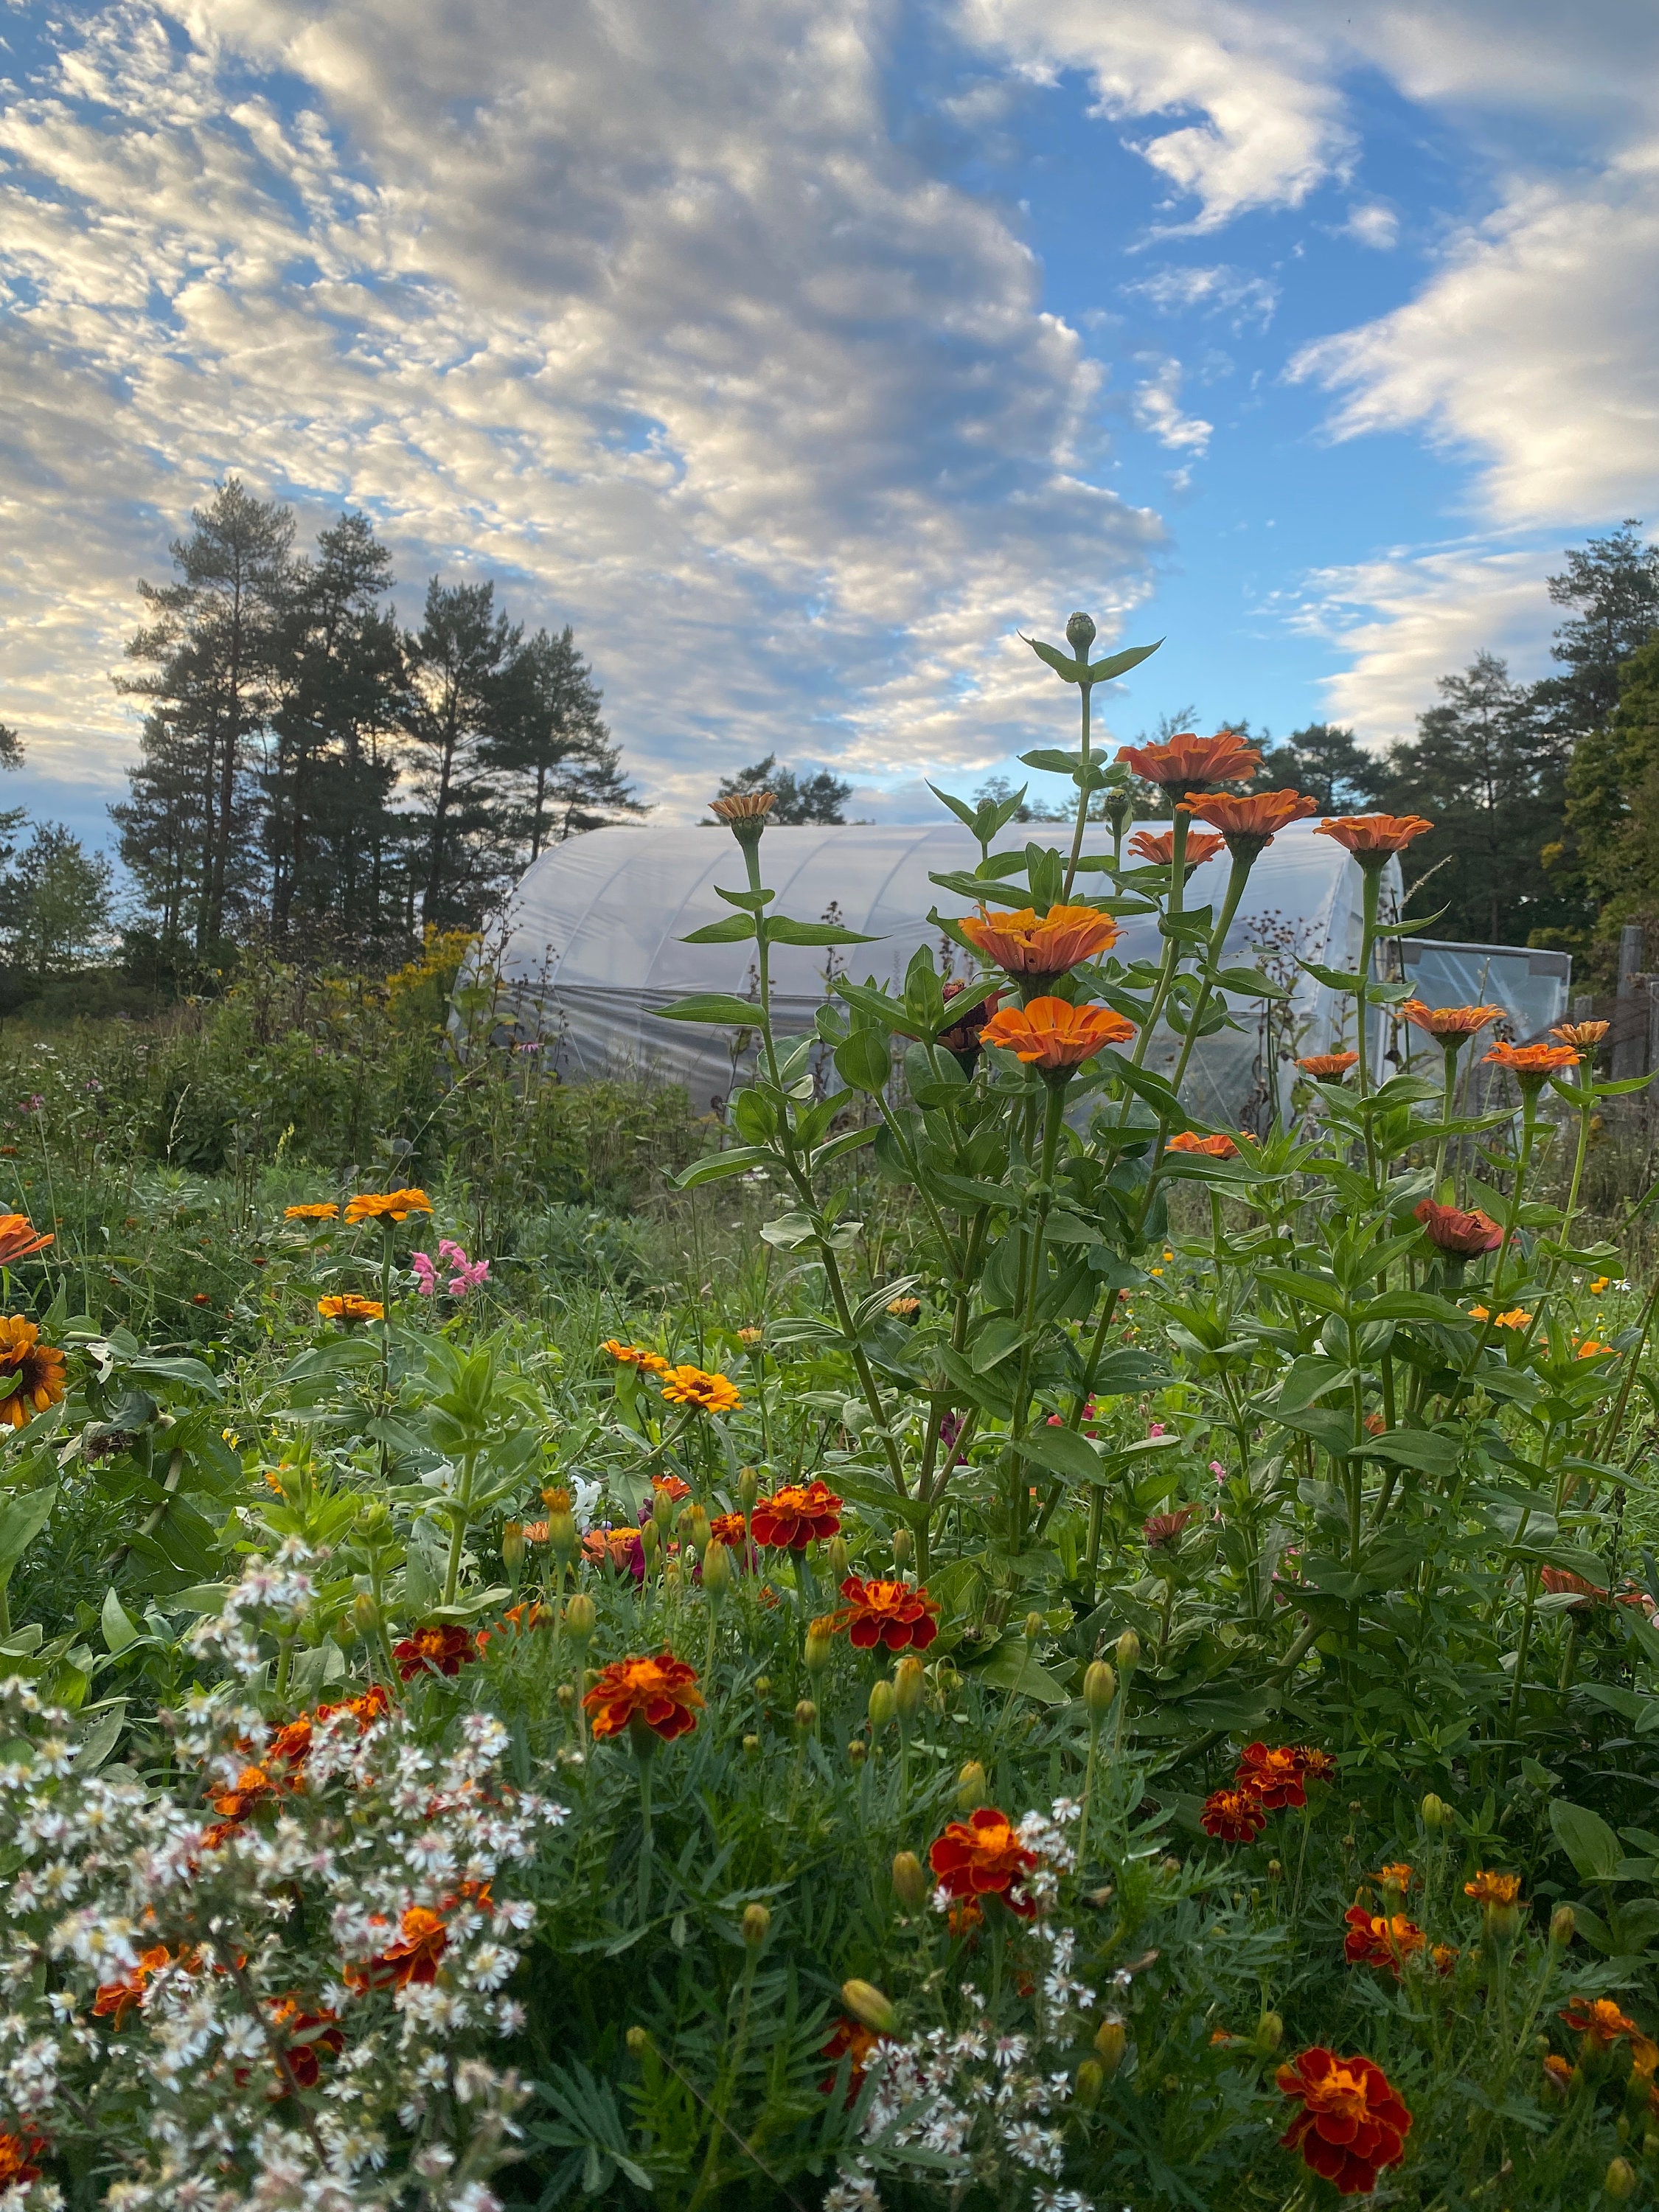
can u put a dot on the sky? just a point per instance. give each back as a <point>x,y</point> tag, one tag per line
<point>801,355</point>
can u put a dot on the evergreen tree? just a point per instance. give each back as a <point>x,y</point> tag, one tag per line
<point>558,769</point>
<point>1614,582</point>
<point>1326,762</point>
<point>815,798</point>
<point>213,644</point>
<point>459,705</point>
<point>55,904</point>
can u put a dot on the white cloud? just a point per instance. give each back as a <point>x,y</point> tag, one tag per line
<point>1236,293</point>
<point>1157,409</point>
<point>1373,224</point>
<point>664,332</point>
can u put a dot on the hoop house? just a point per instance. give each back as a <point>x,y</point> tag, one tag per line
<point>592,943</point>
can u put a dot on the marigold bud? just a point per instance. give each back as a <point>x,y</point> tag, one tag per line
<point>650,1542</point>
<point>748,1489</point>
<point>762,1685</point>
<point>1269,2033</point>
<point>807,1715</point>
<point>1170,1869</point>
<point>694,1529</point>
<point>1129,1652</point>
<point>858,1751</point>
<point>365,1614</point>
<point>910,1881</point>
<point>581,1616</point>
<point>1036,1627</point>
<point>1111,2041</point>
<point>757,1924</point>
<point>639,2041</point>
<point>1563,1927</point>
<point>820,1643</point>
<point>884,1704</point>
<point>513,1545</point>
<point>566,1697</point>
<point>662,1512</point>
<point>1099,1688</point>
<point>717,1572</point>
<point>1276,1870</point>
<point>1436,1813</point>
<point>751,1745</point>
<point>865,2002</point>
<point>1620,2179</point>
<point>841,1559</point>
<point>562,1540</point>
<point>972,1788</point>
<point>1091,2081</point>
<point>909,1685</point>
<point>904,1548</point>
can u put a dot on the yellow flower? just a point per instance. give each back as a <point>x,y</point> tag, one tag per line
<point>1599,1285</point>
<point>709,1394</point>
<point>350,1307</point>
<point>1516,1317</point>
<point>387,1205</point>
<point>322,1212</point>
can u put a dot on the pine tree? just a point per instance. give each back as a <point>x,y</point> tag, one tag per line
<point>459,702</point>
<point>552,754</point>
<point>1324,761</point>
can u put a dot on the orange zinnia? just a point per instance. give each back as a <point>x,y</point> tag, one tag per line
<point>1371,838</point>
<point>1381,1940</point>
<point>1186,762</point>
<point>1233,1816</point>
<point>1218,1147</point>
<point>630,1355</point>
<point>31,1373</point>
<point>1249,826</point>
<point>1451,1025</point>
<point>1463,1235</point>
<point>422,1941</point>
<point>744,805</point>
<point>350,1307</point>
<point>1328,1067</point>
<point>443,1650</point>
<point>794,1517</point>
<point>692,1386</point>
<point>983,1856</point>
<point>387,1205</point>
<point>19,1237</point>
<point>1585,1036</point>
<point>1024,946</point>
<point>1352,2122</point>
<point>885,1613</point>
<point>322,1211</point>
<point>1055,1036</point>
<point>1158,846</point>
<point>1532,1065</point>
<point>655,1695</point>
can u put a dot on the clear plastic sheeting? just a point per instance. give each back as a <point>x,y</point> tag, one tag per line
<point>593,945</point>
<point>1532,986</point>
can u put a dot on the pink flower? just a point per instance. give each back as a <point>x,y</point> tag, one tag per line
<point>467,1274</point>
<point>1156,1429</point>
<point>1217,1470</point>
<point>426,1275</point>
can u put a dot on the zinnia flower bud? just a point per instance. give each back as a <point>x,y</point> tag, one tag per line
<point>1620,2179</point>
<point>1091,2081</point>
<point>581,1617</point>
<point>903,1547</point>
<point>910,1882</point>
<point>819,1645</point>
<point>1129,1652</point>
<point>1269,2032</point>
<point>1099,1688</point>
<point>1563,1927</point>
<point>1080,634</point>
<point>841,1559</point>
<point>972,1788</point>
<point>866,2004</point>
<point>1111,2041</point>
<point>884,1703</point>
<point>756,1922</point>
<point>909,1681</point>
<point>1435,1811</point>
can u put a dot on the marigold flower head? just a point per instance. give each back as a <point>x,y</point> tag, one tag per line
<point>657,1694</point>
<point>1233,1816</point>
<point>852,2040</point>
<point>1021,944</point>
<point>1157,846</point>
<point>421,1940</point>
<point>349,1307</point>
<point>1328,1067</point>
<point>891,1613</point>
<point>1463,1235</point>
<point>1452,1025</point>
<point>1599,2021</point>
<point>1250,824</point>
<point>517,1620</point>
<point>19,2154</point>
<point>709,1394</point>
<point>113,2001</point>
<point>1316,1765</point>
<point>1381,1940</point>
<point>31,1373</point>
<point>1218,1147</point>
<point>619,1549</point>
<point>631,1355</point>
<point>795,1516</point>
<point>1275,1776</point>
<point>387,1205</point>
<point>443,1650</point>
<point>731,1530</point>
<point>671,1486</point>
<point>324,1210</point>
<point>1582,1036</point>
<point>1371,838</point>
<point>1052,1035</point>
<point>1188,762</point>
<point>983,1856</point>
<point>251,1787</point>
<point>19,1237</point>
<point>1352,2122</point>
<point>1532,1065</point>
<point>1488,1889</point>
<point>313,2033</point>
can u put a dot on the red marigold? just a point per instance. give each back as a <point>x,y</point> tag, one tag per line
<point>313,2033</point>
<point>795,1516</point>
<point>1463,1235</point>
<point>660,1694</point>
<point>1316,1765</point>
<point>1188,762</point>
<point>983,1856</point>
<point>115,2000</point>
<point>444,1651</point>
<point>1272,1777</point>
<point>1232,1816</point>
<point>421,1939</point>
<point>1380,1940</point>
<point>885,1613</point>
<point>852,2040</point>
<point>1352,2122</point>
<point>18,2156</point>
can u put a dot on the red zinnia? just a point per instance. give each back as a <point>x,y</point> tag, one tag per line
<point>794,1517</point>
<point>660,1693</point>
<point>983,1856</point>
<point>1352,2122</point>
<point>1463,1235</point>
<point>445,1651</point>
<point>1233,1816</point>
<point>885,1613</point>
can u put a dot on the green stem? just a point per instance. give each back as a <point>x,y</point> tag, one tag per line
<point>461,1513</point>
<point>1082,799</point>
<point>1054,1119</point>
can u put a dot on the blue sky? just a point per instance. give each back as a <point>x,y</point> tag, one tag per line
<point>800,355</point>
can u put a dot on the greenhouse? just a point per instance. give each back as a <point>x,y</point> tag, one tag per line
<point>593,948</point>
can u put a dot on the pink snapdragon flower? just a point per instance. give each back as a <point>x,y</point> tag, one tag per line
<point>464,1274</point>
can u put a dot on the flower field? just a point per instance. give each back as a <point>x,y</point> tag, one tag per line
<point>1027,1653</point>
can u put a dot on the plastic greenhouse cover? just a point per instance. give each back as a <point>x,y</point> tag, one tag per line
<point>592,947</point>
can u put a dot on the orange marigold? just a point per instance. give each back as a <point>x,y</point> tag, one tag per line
<point>387,1205</point>
<point>631,1355</point>
<point>31,1373</point>
<point>694,1386</point>
<point>1052,1035</point>
<point>1249,826</point>
<point>18,2157</point>
<point>1381,1940</point>
<point>441,1650</point>
<point>983,1856</point>
<point>794,1517</point>
<point>855,2043</point>
<point>1158,846</point>
<point>1372,837</point>
<point>19,1237</point>
<point>1449,1025</point>
<point>1351,2123</point>
<point>1274,1776</point>
<point>422,1941</point>
<point>657,1694</point>
<point>891,1613</point>
<point>517,1620</point>
<point>250,1787</point>
<point>348,1307</point>
<point>1023,944</point>
<point>1233,1816</point>
<point>1488,1889</point>
<point>324,1210</point>
<point>1328,1067</point>
<point>115,2000</point>
<point>1187,762</point>
<point>1599,2021</point>
<point>671,1486</point>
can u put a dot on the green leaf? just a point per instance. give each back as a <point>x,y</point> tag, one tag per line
<point>736,929</point>
<point>849,1141</point>
<point>1335,979</point>
<point>1010,1667</point>
<point>21,1520</point>
<point>711,1006</point>
<point>1412,1306</point>
<point>1050,758</point>
<point>864,1062</point>
<point>1120,664</point>
<point>714,1167</point>
<point>119,1629</point>
<point>1587,1840</point>
<point>1423,1449</point>
<point>750,902</point>
<point>780,930</point>
<point>1059,662</point>
<point>1063,1452</point>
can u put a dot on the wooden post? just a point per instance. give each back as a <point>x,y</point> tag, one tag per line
<point>1630,1028</point>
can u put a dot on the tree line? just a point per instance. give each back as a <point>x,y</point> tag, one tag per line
<point>311,770</point>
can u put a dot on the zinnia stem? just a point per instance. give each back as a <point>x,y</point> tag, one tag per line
<point>1083,690</point>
